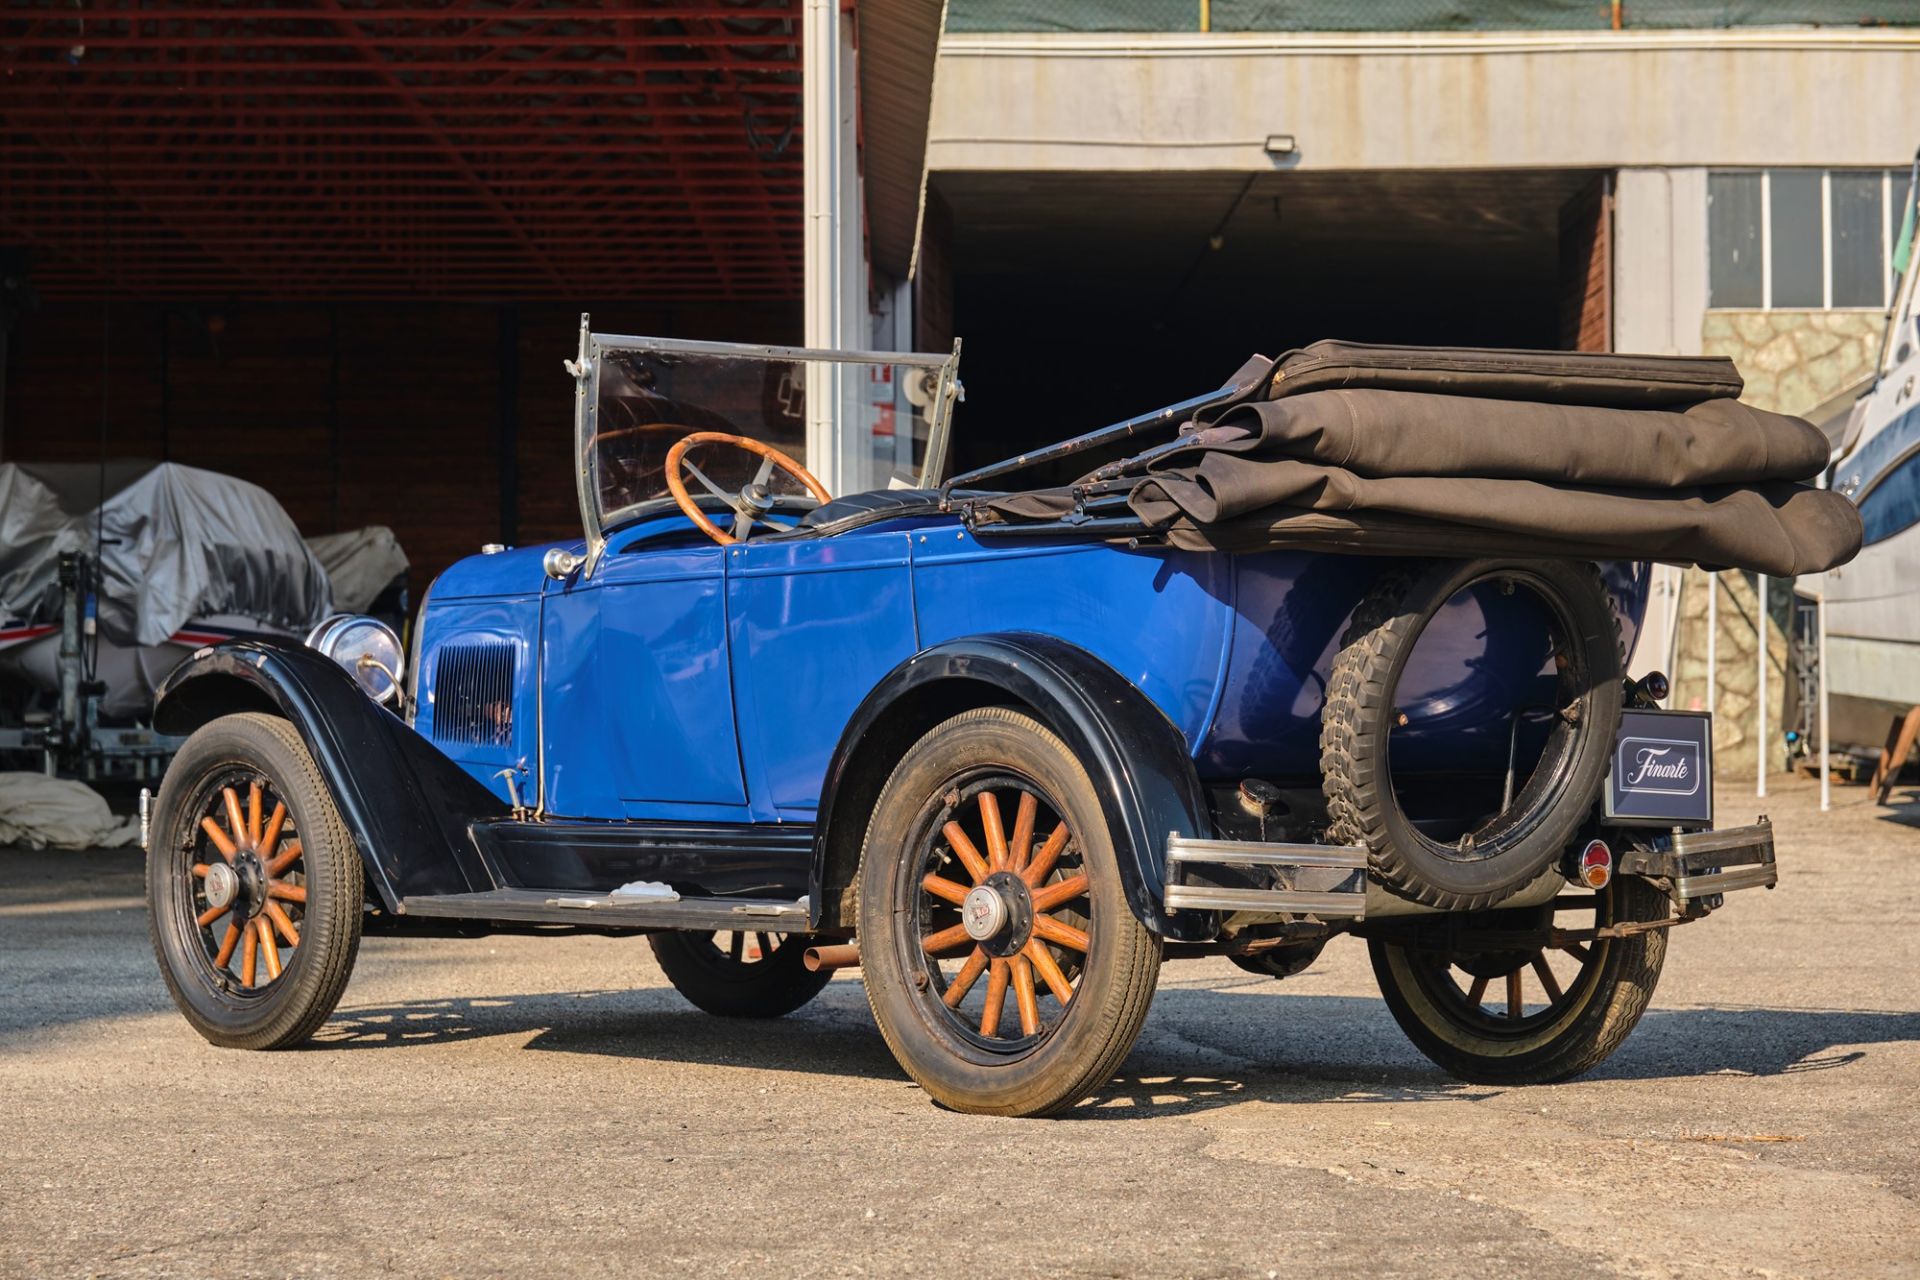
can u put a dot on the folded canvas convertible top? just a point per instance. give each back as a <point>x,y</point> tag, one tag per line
<point>1453,451</point>
<point>1555,377</point>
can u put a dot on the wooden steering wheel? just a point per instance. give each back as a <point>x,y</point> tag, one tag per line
<point>752,503</point>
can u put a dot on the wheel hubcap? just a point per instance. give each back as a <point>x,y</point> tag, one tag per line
<point>223,885</point>
<point>998,914</point>
<point>984,912</point>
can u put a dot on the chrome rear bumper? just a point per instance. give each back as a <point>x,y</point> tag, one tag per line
<point>1709,864</point>
<point>1281,879</point>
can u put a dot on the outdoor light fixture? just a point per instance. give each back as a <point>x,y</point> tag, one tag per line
<point>1280,144</point>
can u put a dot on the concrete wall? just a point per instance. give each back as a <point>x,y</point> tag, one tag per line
<point>1426,101</point>
<point>1659,260</point>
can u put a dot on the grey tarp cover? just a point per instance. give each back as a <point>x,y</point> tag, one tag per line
<point>360,564</point>
<point>176,543</point>
<point>1409,472</point>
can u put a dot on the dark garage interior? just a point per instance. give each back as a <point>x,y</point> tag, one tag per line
<point>1086,298</point>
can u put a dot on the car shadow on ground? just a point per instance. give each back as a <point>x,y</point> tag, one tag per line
<point>1202,1048</point>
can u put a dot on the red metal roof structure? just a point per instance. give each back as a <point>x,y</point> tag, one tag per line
<point>403,149</point>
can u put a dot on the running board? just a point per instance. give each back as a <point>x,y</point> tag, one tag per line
<point>1305,879</point>
<point>591,910</point>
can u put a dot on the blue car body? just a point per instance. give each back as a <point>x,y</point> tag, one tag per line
<point>686,681</point>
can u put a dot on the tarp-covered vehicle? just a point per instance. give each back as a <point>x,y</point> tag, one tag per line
<point>1337,649</point>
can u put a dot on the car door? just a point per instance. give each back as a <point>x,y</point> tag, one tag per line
<point>815,624</point>
<point>638,717</point>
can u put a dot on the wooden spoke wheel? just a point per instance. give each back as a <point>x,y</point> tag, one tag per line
<point>249,892</point>
<point>254,887</point>
<point>1002,962</point>
<point>1004,900</point>
<point>1530,1014</point>
<point>739,974</point>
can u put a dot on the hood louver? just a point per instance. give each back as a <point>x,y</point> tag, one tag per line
<point>473,694</point>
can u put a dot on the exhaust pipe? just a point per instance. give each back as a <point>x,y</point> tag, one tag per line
<point>842,956</point>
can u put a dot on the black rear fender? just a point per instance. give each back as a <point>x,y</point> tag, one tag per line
<point>1137,759</point>
<point>407,805</point>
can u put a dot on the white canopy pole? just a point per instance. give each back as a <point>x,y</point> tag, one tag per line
<point>1676,579</point>
<point>1826,780</point>
<point>1760,690</point>
<point>1820,613</point>
<point>1713,642</point>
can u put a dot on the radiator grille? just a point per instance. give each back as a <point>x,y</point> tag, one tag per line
<point>473,694</point>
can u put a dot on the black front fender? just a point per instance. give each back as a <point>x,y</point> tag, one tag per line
<point>1136,756</point>
<point>407,805</point>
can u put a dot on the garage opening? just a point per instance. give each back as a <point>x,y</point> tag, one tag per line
<point>1084,298</point>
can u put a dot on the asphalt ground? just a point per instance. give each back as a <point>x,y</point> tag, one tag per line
<point>550,1107</point>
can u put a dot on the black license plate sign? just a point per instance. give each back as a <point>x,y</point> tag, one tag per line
<point>1662,771</point>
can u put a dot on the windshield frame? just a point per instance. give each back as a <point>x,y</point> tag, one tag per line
<point>586,367</point>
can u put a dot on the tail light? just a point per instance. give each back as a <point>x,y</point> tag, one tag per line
<point>1596,865</point>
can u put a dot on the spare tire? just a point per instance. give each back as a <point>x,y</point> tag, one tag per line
<point>1501,850</point>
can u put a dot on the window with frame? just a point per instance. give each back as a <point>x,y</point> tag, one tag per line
<point>1802,239</point>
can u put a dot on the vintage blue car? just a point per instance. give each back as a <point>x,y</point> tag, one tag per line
<point>1006,768</point>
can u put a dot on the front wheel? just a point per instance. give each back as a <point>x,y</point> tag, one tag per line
<point>254,887</point>
<point>1005,969</point>
<point>1530,1013</point>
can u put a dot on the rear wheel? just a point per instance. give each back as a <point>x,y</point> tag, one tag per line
<point>739,974</point>
<point>1003,964</point>
<point>254,887</point>
<point>1530,1014</point>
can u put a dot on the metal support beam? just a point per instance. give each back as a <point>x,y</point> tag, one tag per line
<point>834,260</point>
<point>1760,690</point>
<point>507,422</point>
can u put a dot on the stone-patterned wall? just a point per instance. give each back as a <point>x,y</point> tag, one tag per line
<point>1737,677</point>
<point>1793,360</point>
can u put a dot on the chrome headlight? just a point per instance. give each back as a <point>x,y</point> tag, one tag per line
<point>367,648</point>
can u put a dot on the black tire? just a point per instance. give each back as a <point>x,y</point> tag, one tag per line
<point>1510,849</point>
<point>1568,1035</point>
<point>1108,968</point>
<point>220,996</point>
<point>739,975</point>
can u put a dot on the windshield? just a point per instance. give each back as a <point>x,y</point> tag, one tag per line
<point>641,396</point>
